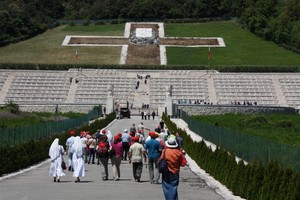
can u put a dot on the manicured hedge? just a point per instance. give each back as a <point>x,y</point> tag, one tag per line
<point>14,158</point>
<point>252,181</point>
<point>220,68</point>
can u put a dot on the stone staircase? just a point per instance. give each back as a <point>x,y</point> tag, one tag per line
<point>72,91</point>
<point>211,90</point>
<point>279,93</point>
<point>141,95</point>
<point>6,87</point>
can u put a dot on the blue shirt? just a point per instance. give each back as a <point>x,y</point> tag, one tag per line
<point>154,148</point>
<point>125,137</point>
<point>70,142</point>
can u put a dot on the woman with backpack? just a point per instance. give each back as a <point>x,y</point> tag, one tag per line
<point>103,154</point>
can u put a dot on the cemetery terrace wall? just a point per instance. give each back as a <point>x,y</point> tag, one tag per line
<point>221,109</point>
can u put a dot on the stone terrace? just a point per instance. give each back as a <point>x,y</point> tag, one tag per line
<point>89,86</point>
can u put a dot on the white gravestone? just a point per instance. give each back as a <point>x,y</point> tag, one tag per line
<point>143,32</point>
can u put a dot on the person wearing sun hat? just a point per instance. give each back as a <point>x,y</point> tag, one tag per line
<point>69,144</point>
<point>175,160</point>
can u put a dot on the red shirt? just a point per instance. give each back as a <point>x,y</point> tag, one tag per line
<point>118,148</point>
<point>175,159</point>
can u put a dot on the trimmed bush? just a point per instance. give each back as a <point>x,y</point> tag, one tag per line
<point>252,181</point>
<point>14,158</point>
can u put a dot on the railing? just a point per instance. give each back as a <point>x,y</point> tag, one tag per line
<point>18,135</point>
<point>246,147</point>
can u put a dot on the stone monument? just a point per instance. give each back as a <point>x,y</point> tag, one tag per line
<point>110,99</point>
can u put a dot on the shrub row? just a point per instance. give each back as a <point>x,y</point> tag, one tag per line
<point>124,20</point>
<point>220,68</point>
<point>252,181</point>
<point>13,158</point>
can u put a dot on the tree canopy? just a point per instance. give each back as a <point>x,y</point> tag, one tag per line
<point>276,20</point>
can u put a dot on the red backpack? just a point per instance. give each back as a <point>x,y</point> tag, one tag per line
<point>102,148</point>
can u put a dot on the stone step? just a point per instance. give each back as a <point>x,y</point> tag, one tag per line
<point>6,87</point>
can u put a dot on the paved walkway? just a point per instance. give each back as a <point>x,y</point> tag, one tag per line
<point>35,184</point>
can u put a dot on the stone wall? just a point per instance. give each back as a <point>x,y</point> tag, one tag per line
<point>218,109</point>
<point>60,108</point>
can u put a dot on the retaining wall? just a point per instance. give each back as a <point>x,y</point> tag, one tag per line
<point>222,109</point>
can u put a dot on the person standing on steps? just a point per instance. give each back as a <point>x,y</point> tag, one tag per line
<point>142,115</point>
<point>153,115</point>
<point>56,153</point>
<point>104,111</point>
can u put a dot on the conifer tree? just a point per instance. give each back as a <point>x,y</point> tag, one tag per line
<point>294,194</point>
<point>257,172</point>
<point>269,178</point>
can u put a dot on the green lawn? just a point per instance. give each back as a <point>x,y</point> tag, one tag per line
<point>47,48</point>
<point>242,47</point>
<point>27,119</point>
<point>280,128</point>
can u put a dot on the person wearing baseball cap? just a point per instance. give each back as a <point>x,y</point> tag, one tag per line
<point>135,154</point>
<point>69,143</point>
<point>153,148</point>
<point>116,157</point>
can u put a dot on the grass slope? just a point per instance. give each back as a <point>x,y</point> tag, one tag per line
<point>242,47</point>
<point>280,128</point>
<point>47,48</point>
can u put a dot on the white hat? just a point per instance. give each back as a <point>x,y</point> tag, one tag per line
<point>125,131</point>
<point>171,143</point>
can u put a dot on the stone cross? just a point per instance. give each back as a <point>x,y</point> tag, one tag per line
<point>143,43</point>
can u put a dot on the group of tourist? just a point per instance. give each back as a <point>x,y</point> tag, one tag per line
<point>193,101</point>
<point>145,114</point>
<point>131,145</point>
<point>244,103</point>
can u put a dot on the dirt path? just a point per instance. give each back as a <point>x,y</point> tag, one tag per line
<point>143,54</point>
